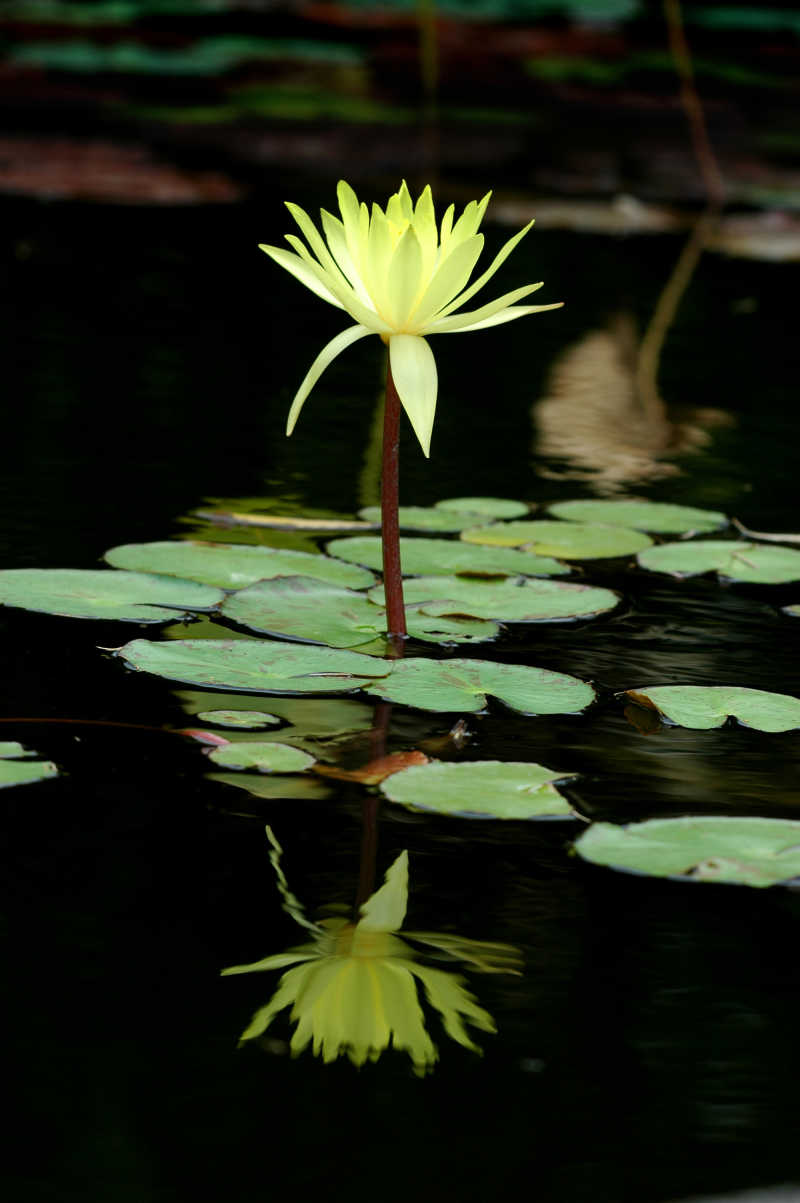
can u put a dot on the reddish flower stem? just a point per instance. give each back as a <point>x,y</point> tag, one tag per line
<point>390,526</point>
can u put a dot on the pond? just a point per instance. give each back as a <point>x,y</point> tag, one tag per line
<point>647,1051</point>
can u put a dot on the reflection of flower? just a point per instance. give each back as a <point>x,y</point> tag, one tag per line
<point>399,277</point>
<point>352,988</point>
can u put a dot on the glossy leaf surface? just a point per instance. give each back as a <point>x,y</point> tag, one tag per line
<point>656,516</point>
<point>734,560</point>
<point>486,789</point>
<point>435,557</point>
<point>565,540</point>
<point>530,600</point>
<point>704,707</point>
<point>453,685</point>
<point>90,593</point>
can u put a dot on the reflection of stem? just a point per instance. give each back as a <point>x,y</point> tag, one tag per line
<point>369,810</point>
<point>709,168</point>
<point>390,526</point>
<point>428,53</point>
<point>369,481</point>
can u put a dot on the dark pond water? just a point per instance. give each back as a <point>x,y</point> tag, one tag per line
<point>649,1051</point>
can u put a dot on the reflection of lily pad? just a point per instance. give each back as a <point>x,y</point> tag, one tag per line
<point>95,593</point>
<point>793,611</point>
<point>434,557</point>
<point>307,788</point>
<point>747,851</point>
<point>313,720</point>
<point>16,767</point>
<point>264,756</point>
<point>302,608</point>
<point>704,707</point>
<point>231,566</point>
<point>488,789</point>
<point>420,517</point>
<point>488,507</point>
<point>246,719</point>
<point>567,540</point>
<point>256,665</point>
<point>732,559</point>
<point>530,600</point>
<point>448,685</point>
<point>655,516</point>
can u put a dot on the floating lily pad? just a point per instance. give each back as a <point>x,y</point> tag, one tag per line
<point>255,665</point>
<point>306,788</point>
<point>485,789</point>
<point>447,685</point>
<point>246,719</point>
<point>434,557</point>
<point>231,565</point>
<point>745,851</point>
<point>703,707</point>
<point>16,767</point>
<point>303,608</point>
<point>732,559</point>
<point>529,600</point>
<point>657,516</point>
<point>265,757</point>
<point>488,507</point>
<point>420,517</point>
<point>95,593</point>
<point>567,540</point>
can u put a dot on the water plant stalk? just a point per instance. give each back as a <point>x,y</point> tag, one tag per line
<point>390,524</point>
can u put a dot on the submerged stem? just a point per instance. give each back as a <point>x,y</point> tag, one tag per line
<point>390,525</point>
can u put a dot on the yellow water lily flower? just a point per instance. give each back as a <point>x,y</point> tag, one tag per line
<point>353,987</point>
<point>400,277</point>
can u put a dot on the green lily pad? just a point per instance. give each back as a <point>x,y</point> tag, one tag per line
<point>266,757</point>
<point>703,707</point>
<point>529,600</point>
<point>17,769</point>
<point>420,517</point>
<point>246,719</point>
<point>744,851</point>
<point>303,608</point>
<point>657,516</point>
<point>308,788</point>
<point>484,789</point>
<point>449,685</point>
<point>435,557</point>
<point>567,540</point>
<point>488,507</point>
<point>314,720</point>
<point>123,596</point>
<point>231,565</point>
<point>255,665</point>
<point>734,560</point>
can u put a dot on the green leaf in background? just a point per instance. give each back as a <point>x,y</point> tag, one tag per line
<point>243,719</point>
<point>488,507</point>
<point>743,851</point>
<point>17,769</point>
<point>732,559</point>
<point>485,789</point>
<point>703,707</point>
<point>13,750</point>
<point>451,685</point>
<point>232,565</point>
<point>306,788</point>
<point>95,593</point>
<point>263,756</point>
<point>529,600</point>
<point>256,665</point>
<point>656,516</point>
<point>424,518</point>
<point>434,557</point>
<point>567,540</point>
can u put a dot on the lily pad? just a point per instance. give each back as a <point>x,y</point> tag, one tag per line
<point>420,517</point>
<point>793,611</point>
<point>732,559</point>
<point>448,685</point>
<point>484,789</point>
<point>488,507</point>
<point>744,851</point>
<point>314,720</point>
<point>304,788</point>
<point>303,608</point>
<point>16,767</point>
<point>95,593</point>
<point>434,557</point>
<point>231,565</point>
<point>529,600</point>
<point>246,719</point>
<point>703,707</point>
<point>255,665</point>
<point>265,757</point>
<point>567,540</point>
<point>657,516</point>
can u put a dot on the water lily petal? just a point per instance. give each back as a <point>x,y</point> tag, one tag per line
<point>425,227</point>
<point>446,230</point>
<point>302,271</point>
<point>337,241</point>
<point>279,961</point>
<point>449,278</point>
<point>444,991</point>
<point>459,321</point>
<point>405,1017</point>
<point>328,353</point>
<point>414,374</point>
<point>287,990</point>
<point>385,910</point>
<point>363,311</point>
<point>498,260</point>
<point>405,277</point>
<point>316,242</point>
<point>349,209</point>
<point>505,315</point>
<point>470,220</point>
